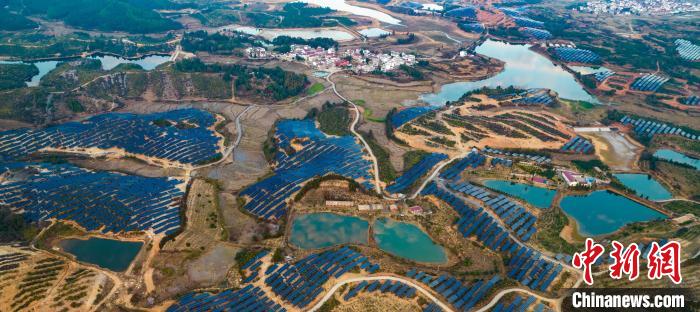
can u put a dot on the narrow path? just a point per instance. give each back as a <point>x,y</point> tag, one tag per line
<point>239,136</point>
<point>335,288</point>
<point>677,199</point>
<point>434,174</point>
<point>502,293</point>
<point>378,187</point>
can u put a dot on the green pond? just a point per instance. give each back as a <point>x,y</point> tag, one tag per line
<point>320,230</point>
<point>106,253</point>
<point>537,196</point>
<point>604,212</point>
<point>408,241</point>
<point>644,185</point>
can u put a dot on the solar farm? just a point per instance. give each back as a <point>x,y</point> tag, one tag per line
<point>578,145</point>
<point>687,50</point>
<point>574,55</point>
<point>317,155</point>
<point>536,33</point>
<point>649,82</point>
<point>648,128</point>
<point>181,137</point>
<point>119,202</point>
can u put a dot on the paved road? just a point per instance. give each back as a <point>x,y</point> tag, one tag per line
<point>378,187</point>
<point>504,292</point>
<point>435,173</point>
<point>380,278</point>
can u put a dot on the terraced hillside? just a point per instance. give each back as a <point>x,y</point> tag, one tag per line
<point>35,281</point>
<point>485,121</point>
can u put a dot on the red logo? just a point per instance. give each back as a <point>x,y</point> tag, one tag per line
<point>586,259</point>
<point>626,261</point>
<point>665,261</point>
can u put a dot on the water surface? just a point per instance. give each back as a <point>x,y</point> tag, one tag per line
<point>374,32</point>
<point>674,156</point>
<point>106,253</point>
<point>537,196</point>
<point>407,241</point>
<point>644,185</point>
<point>604,212</point>
<point>524,68</point>
<point>271,34</point>
<point>340,5</point>
<point>320,230</point>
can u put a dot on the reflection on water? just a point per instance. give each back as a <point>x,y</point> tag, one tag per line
<point>340,5</point>
<point>374,32</point>
<point>523,68</point>
<point>320,230</point>
<point>537,196</point>
<point>408,241</point>
<point>644,185</point>
<point>677,157</point>
<point>107,253</point>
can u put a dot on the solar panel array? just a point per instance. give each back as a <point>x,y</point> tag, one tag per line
<point>179,136</point>
<point>526,264</point>
<point>602,75</point>
<point>540,159</point>
<point>520,303</point>
<point>460,295</point>
<point>648,128</point>
<point>397,288</point>
<point>408,178</point>
<point>472,27</point>
<point>692,100</point>
<point>649,82</point>
<point>253,266</point>
<point>495,161</point>
<point>432,307</point>
<point>567,54</point>
<point>319,155</point>
<point>247,299</point>
<point>473,160</point>
<point>687,50</point>
<point>300,283</point>
<point>534,97</point>
<point>403,116</point>
<point>96,200</point>
<point>578,145</point>
<point>513,215</point>
<point>536,33</point>
<point>468,12</point>
<point>527,22</point>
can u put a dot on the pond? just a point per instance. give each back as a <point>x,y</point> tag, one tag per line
<point>106,253</point>
<point>674,156</point>
<point>524,68</point>
<point>108,63</point>
<point>644,185</point>
<point>320,230</point>
<point>604,212</point>
<point>374,32</point>
<point>585,70</point>
<point>408,241</point>
<point>321,74</point>
<point>537,196</point>
<point>340,5</point>
<point>270,34</point>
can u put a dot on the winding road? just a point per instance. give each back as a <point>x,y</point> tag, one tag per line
<point>335,288</point>
<point>378,187</point>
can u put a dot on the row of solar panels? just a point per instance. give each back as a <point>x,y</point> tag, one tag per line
<point>397,288</point>
<point>536,158</point>
<point>520,304</point>
<point>539,34</point>
<point>247,299</point>
<point>650,128</point>
<point>567,54</point>
<point>687,50</point>
<point>473,160</point>
<point>529,268</point>
<point>578,145</point>
<point>649,82</point>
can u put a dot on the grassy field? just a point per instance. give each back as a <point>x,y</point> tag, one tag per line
<point>315,88</point>
<point>387,173</point>
<point>683,207</point>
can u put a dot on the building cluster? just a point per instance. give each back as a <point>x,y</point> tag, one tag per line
<point>640,7</point>
<point>391,208</point>
<point>359,60</point>
<point>575,179</point>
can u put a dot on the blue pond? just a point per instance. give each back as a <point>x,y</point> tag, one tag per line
<point>644,185</point>
<point>677,157</point>
<point>406,240</point>
<point>536,196</point>
<point>524,68</point>
<point>106,253</point>
<point>604,212</point>
<point>320,230</point>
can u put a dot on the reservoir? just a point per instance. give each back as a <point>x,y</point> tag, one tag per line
<point>644,185</point>
<point>320,230</point>
<point>674,156</point>
<point>374,32</point>
<point>407,241</point>
<point>340,5</point>
<point>524,68</point>
<point>110,254</point>
<point>271,34</point>
<point>537,196</point>
<point>604,212</point>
